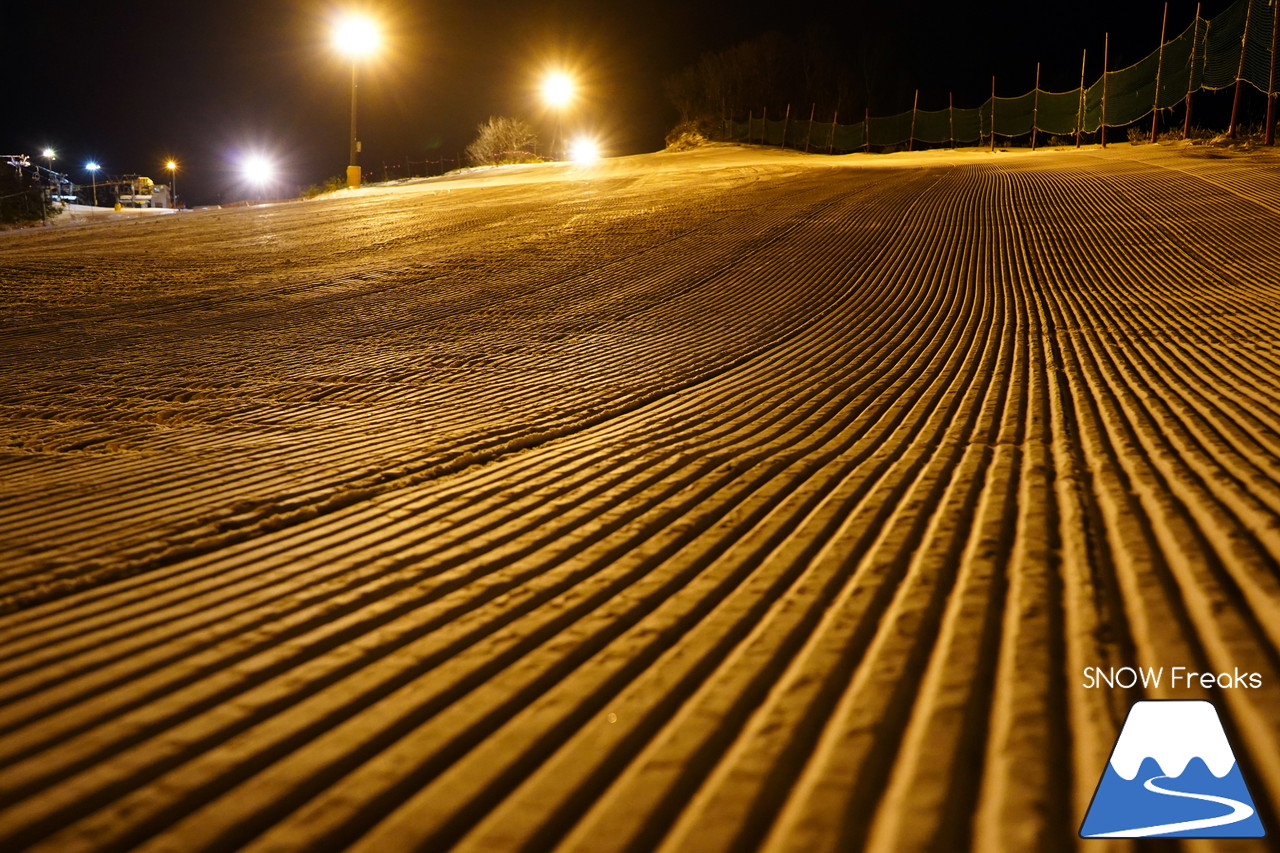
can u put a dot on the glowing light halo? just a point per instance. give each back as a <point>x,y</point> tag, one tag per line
<point>558,89</point>
<point>257,169</point>
<point>584,149</point>
<point>356,36</point>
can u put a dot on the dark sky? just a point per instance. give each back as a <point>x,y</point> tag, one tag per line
<point>130,82</point>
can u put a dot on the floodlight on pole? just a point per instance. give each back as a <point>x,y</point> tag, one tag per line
<point>48,155</point>
<point>172,166</point>
<point>93,171</point>
<point>558,90</point>
<point>357,37</point>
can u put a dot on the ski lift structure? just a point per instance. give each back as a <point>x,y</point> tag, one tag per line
<point>59,187</point>
<point>140,191</point>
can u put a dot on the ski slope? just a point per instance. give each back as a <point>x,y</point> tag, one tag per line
<point>727,500</point>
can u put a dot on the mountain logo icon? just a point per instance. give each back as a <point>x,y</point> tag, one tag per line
<point>1172,774</point>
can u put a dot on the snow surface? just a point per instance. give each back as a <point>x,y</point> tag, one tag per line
<point>1172,732</point>
<point>722,500</point>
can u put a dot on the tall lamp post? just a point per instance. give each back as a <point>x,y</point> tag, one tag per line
<point>93,171</point>
<point>357,37</point>
<point>48,155</point>
<point>172,166</point>
<point>558,90</point>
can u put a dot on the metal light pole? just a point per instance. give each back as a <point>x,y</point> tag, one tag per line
<point>44,196</point>
<point>357,37</point>
<point>172,166</point>
<point>93,171</point>
<point>353,161</point>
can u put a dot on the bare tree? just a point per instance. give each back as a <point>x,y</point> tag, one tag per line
<point>770,71</point>
<point>502,140</point>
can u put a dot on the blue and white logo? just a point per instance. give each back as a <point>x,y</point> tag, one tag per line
<point>1172,774</point>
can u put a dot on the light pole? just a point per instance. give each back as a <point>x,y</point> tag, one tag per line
<point>48,155</point>
<point>93,171</point>
<point>558,90</point>
<point>357,37</point>
<point>172,166</point>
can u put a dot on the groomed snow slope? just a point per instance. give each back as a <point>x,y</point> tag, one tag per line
<point>718,501</point>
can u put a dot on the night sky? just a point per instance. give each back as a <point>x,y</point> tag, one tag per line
<point>131,82</point>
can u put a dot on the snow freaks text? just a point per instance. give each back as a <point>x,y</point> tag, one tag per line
<point>1172,676</point>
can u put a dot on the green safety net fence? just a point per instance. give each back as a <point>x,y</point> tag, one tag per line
<point>1235,46</point>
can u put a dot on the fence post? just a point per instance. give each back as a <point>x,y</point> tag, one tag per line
<point>951,116</point>
<point>1191,73</point>
<point>1271,80</point>
<point>786,123</point>
<point>1035,108</point>
<point>1102,117</point>
<point>1244,39</point>
<point>1155,106</point>
<point>914,105</point>
<point>809,136</point>
<point>764,125</point>
<point>993,113</point>
<point>1084,55</point>
<point>866,128</point>
<point>831,141</point>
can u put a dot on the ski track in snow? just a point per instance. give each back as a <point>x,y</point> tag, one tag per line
<point>721,501</point>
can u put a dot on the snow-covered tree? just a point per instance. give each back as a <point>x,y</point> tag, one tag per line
<point>502,140</point>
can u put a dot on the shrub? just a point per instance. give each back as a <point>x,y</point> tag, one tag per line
<point>685,136</point>
<point>332,185</point>
<point>502,140</point>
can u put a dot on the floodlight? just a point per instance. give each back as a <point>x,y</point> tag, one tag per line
<point>584,150</point>
<point>558,89</point>
<point>356,36</point>
<point>257,169</point>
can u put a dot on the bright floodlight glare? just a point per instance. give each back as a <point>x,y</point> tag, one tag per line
<point>557,89</point>
<point>48,153</point>
<point>92,166</point>
<point>257,170</point>
<point>584,150</point>
<point>171,165</point>
<point>356,36</point>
